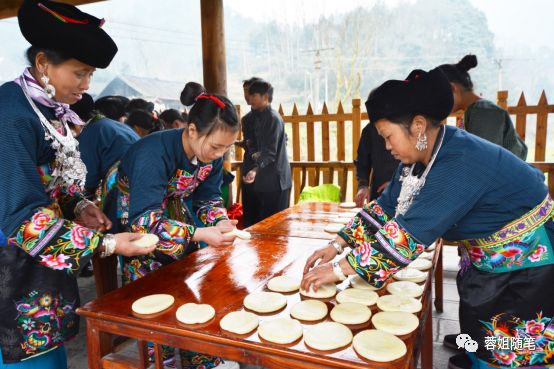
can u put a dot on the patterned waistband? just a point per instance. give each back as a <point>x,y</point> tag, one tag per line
<point>532,220</point>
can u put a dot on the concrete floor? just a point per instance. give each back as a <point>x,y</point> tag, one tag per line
<point>443,323</point>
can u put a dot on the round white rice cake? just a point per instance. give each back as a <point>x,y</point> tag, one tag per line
<point>239,322</point>
<point>265,302</point>
<point>280,330</point>
<point>152,304</point>
<point>360,283</point>
<point>364,297</point>
<point>379,346</point>
<point>405,288</point>
<point>147,240</point>
<point>410,274</point>
<point>395,322</point>
<point>192,313</point>
<point>283,283</point>
<point>309,310</point>
<point>399,303</point>
<point>431,247</point>
<point>333,227</point>
<point>347,205</point>
<point>324,291</point>
<point>328,336</point>
<point>421,264</point>
<point>351,313</point>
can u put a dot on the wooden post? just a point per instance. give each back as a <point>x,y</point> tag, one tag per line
<point>213,46</point>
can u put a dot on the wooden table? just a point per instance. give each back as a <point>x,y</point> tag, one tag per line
<point>222,277</point>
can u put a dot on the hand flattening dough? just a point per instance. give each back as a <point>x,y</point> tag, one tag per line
<point>323,292</point>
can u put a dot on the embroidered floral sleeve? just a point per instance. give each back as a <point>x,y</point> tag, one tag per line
<point>174,235</point>
<point>211,211</point>
<point>381,246</point>
<point>55,242</point>
<point>66,196</point>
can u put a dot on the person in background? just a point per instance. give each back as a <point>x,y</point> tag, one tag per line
<point>248,144</point>
<point>52,231</point>
<point>482,117</point>
<point>102,143</point>
<point>374,161</point>
<point>143,122</point>
<point>457,186</point>
<point>270,173</point>
<point>172,118</point>
<point>112,107</point>
<point>141,104</point>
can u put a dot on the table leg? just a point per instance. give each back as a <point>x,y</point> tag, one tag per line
<point>93,346</point>
<point>439,283</point>
<point>427,350</point>
<point>158,357</point>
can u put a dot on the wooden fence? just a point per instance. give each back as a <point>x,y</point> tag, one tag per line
<point>322,146</point>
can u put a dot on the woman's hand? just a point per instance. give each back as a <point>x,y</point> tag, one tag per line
<point>124,245</point>
<point>92,217</point>
<point>214,236</point>
<point>250,177</point>
<point>227,225</point>
<point>362,196</point>
<point>324,255</point>
<point>321,274</point>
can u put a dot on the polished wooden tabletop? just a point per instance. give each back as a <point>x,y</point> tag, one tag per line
<point>222,277</point>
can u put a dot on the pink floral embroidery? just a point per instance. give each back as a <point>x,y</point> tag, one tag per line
<point>534,327</point>
<point>40,221</point>
<point>378,210</point>
<point>505,358</point>
<point>79,236</point>
<point>392,229</point>
<point>476,254</point>
<point>364,251</point>
<point>537,254</point>
<point>184,182</point>
<point>384,274</point>
<point>73,189</point>
<point>204,172</point>
<point>55,262</point>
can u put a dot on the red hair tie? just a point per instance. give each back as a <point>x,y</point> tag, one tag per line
<point>215,99</point>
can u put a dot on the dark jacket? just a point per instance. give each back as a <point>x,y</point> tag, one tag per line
<point>273,164</point>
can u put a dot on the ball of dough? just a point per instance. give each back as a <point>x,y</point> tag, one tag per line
<point>239,322</point>
<point>328,336</point>
<point>265,302</point>
<point>309,310</point>
<point>281,330</point>
<point>379,346</point>
<point>283,283</point>
<point>364,297</point>
<point>350,313</point>
<point>243,235</point>
<point>147,240</point>
<point>192,313</point>
<point>152,304</point>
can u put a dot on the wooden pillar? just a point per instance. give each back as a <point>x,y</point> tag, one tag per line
<point>213,46</point>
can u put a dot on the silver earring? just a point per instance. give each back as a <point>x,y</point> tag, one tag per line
<point>48,88</point>
<point>421,143</point>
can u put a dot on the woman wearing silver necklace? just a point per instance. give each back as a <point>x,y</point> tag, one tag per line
<point>51,229</point>
<point>455,185</point>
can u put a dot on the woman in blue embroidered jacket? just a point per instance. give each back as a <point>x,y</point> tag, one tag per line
<point>455,185</point>
<point>40,187</point>
<point>159,173</point>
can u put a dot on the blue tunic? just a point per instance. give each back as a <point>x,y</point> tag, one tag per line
<point>102,143</point>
